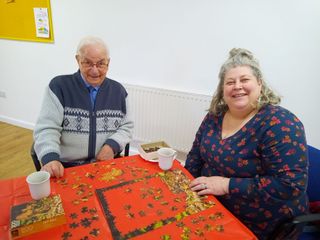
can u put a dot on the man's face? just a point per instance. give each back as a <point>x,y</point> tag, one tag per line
<point>93,64</point>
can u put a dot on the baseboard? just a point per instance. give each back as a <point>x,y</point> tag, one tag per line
<point>17,122</point>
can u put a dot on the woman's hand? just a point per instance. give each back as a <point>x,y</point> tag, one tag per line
<point>215,185</point>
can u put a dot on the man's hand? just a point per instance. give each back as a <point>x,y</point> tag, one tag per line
<point>105,153</point>
<point>55,168</point>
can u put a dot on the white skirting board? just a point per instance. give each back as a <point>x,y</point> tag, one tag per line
<point>17,122</point>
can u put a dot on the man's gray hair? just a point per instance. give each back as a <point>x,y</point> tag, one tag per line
<point>91,40</point>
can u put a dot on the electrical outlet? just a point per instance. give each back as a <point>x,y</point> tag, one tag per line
<point>3,94</point>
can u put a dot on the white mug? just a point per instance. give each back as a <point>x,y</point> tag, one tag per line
<point>39,184</point>
<point>166,157</point>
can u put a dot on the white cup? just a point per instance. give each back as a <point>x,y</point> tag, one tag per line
<point>166,157</point>
<point>39,184</point>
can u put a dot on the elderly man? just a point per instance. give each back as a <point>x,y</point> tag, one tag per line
<point>84,116</point>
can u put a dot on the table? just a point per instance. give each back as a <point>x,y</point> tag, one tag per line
<point>127,198</point>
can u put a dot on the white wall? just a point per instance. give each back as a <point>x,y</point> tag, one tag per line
<point>174,44</point>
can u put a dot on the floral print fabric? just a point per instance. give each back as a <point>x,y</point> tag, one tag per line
<point>266,161</point>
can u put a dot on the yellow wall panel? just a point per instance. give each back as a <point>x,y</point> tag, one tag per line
<point>17,20</point>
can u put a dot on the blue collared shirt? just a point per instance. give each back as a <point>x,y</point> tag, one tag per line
<point>92,91</point>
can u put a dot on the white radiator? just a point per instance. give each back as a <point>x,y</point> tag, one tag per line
<point>167,115</point>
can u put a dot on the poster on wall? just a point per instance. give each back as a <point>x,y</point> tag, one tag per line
<point>42,22</point>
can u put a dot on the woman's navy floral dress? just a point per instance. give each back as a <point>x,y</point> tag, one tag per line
<point>266,161</point>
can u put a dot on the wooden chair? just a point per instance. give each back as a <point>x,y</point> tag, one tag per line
<point>37,164</point>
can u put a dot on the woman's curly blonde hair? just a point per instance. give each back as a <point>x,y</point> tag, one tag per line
<point>242,57</point>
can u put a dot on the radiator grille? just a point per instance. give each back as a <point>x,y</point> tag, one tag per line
<point>167,115</point>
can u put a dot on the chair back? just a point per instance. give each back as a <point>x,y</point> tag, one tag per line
<point>35,159</point>
<point>313,189</point>
<point>287,230</point>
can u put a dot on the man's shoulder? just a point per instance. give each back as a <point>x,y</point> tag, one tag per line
<point>114,82</point>
<point>62,83</point>
<point>62,79</point>
<point>115,85</point>
<point>65,85</point>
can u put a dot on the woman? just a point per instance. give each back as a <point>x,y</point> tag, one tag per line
<point>250,152</point>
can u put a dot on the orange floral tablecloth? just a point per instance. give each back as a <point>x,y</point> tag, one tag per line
<point>127,198</point>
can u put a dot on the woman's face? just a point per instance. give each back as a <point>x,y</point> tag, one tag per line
<point>241,89</point>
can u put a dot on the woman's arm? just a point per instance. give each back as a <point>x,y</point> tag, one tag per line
<point>194,163</point>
